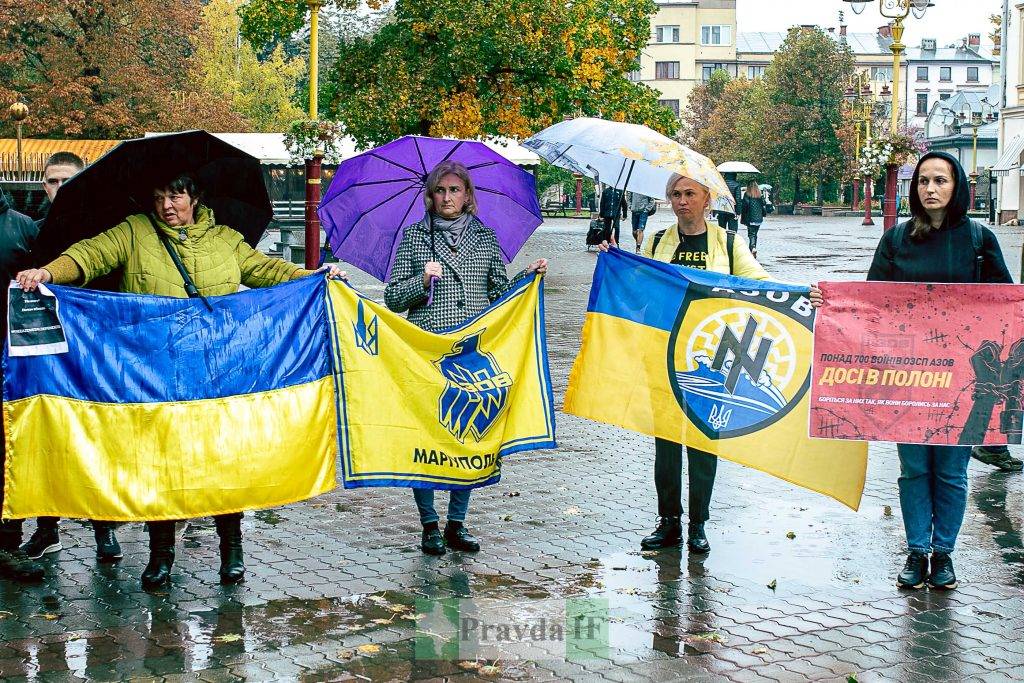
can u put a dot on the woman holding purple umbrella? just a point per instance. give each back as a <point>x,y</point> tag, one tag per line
<point>448,269</point>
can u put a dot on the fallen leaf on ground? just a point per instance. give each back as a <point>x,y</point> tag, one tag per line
<point>228,638</point>
<point>469,666</point>
<point>887,511</point>
<point>48,616</point>
<point>490,670</point>
<point>507,518</point>
<point>773,584</point>
<point>572,511</point>
<point>708,637</point>
<point>346,654</point>
<point>368,649</point>
<point>512,494</point>
<point>760,650</point>
<point>790,535</point>
<point>381,622</point>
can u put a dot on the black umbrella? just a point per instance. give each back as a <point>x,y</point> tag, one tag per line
<point>121,183</point>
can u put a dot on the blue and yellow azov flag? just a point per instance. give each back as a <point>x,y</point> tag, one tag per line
<point>163,409</point>
<point>711,361</point>
<point>429,410</point>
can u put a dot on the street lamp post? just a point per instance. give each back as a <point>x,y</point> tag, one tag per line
<point>897,10</point>
<point>862,104</point>
<point>312,236</point>
<point>19,112</point>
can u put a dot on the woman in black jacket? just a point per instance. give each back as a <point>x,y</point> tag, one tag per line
<point>938,244</point>
<point>752,213</point>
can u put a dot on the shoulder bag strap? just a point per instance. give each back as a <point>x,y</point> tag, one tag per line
<point>655,241</point>
<point>977,240</point>
<point>730,242</point>
<point>190,287</point>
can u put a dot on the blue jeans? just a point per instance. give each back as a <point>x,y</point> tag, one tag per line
<point>458,505</point>
<point>639,220</point>
<point>933,494</point>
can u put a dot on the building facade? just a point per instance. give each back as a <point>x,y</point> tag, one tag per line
<point>1011,120</point>
<point>689,39</point>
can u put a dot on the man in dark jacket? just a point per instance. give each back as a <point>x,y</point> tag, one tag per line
<point>17,233</point>
<point>613,209</point>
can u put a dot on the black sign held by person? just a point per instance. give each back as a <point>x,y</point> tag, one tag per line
<point>33,323</point>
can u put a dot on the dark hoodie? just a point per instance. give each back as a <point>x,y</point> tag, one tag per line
<point>943,255</point>
<point>17,234</point>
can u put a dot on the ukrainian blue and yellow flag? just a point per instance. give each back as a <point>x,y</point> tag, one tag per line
<point>711,361</point>
<point>427,410</point>
<point>163,409</point>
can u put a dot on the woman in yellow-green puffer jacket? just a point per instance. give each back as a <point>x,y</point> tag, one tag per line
<point>217,259</point>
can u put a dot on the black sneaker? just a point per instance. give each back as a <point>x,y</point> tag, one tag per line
<point>107,548</point>
<point>41,542</point>
<point>997,457</point>
<point>668,533</point>
<point>915,571</point>
<point>941,575</point>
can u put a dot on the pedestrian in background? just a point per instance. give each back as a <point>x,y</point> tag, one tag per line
<point>727,219</point>
<point>753,209</point>
<point>938,244</point>
<point>613,209</point>
<point>642,207</point>
<point>448,269</point>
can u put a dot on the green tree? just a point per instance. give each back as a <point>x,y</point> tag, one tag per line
<point>261,92</point>
<point>802,114</point>
<point>704,99</point>
<point>469,68</point>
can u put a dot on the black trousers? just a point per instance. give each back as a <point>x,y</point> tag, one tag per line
<point>668,474</point>
<point>752,235</point>
<point>165,529</point>
<point>611,228</point>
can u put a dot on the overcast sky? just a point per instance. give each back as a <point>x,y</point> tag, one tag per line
<point>948,21</point>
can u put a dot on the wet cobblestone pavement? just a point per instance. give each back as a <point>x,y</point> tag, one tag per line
<point>337,587</point>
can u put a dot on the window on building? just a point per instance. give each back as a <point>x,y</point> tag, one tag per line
<point>943,96</point>
<point>708,69</point>
<point>633,75</point>
<point>666,34</point>
<point>922,104</point>
<point>666,70</point>
<point>922,73</point>
<point>972,74</point>
<point>716,35</point>
<point>945,73</point>
<point>881,74</point>
<point>670,104</point>
<point>755,72</point>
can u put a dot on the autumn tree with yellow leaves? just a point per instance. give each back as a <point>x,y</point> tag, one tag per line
<point>471,68</point>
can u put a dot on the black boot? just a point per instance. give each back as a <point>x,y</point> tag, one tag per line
<point>14,563</point>
<point>457,538</point>
<point>161,555</point>
<point>668,534</point>
<point>229,528</point>
<point>696,541</point>
<point>914,571</point>
<point>432,543</point>
<point>107,548</point>
<point>941,575</point>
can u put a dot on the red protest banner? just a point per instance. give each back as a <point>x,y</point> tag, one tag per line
<point>919,363</point>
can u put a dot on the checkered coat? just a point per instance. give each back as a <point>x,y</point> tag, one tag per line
<point>473,276</point>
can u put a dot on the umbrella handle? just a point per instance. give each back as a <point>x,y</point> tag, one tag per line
<point>430,293</point>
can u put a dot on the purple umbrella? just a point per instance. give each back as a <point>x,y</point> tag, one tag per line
<point>374,195</point>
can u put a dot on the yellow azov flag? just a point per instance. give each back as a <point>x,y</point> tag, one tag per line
<point>427,410</point>
<point>714,362</point>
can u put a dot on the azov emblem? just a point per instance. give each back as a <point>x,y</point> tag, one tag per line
<point>733,358</point>
<point>476,392</point>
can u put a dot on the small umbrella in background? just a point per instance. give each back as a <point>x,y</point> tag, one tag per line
<point>627,156</point>
<point>121,182</point>
<point>737,167</point>
<point>376,194</point>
